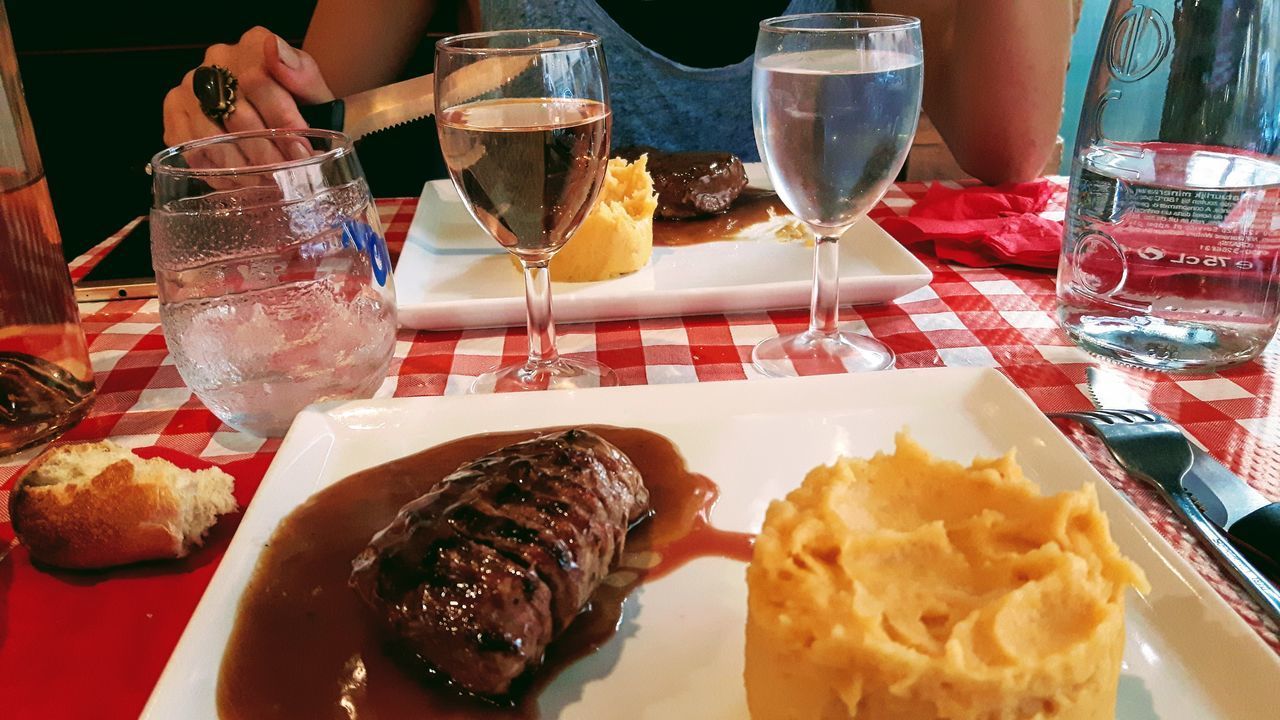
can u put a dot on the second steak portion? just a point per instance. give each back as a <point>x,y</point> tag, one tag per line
<point>690,184</point>
<point>476,577</point>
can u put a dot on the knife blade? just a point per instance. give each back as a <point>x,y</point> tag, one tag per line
<point>1248,517</point>
<point>408,100</point>
<point>1224,497</point>
<point>377,109</point>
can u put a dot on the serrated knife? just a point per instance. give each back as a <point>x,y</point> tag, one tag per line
<point>377,109</point>
<point>1250,520</point>
<point>414,99</point>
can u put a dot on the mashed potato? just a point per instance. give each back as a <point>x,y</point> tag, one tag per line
<point>616,237</point>
<point>907,587</point>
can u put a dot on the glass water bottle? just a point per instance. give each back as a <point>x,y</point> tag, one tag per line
<point>1171,252</point>
<point>46,383</point>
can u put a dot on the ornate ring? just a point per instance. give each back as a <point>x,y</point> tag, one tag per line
<point>215,89</point>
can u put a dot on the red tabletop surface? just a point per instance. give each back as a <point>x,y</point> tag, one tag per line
<point>93,644</point>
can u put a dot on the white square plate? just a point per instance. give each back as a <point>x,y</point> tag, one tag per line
<point>453,275</point>
<point>1187,654</point>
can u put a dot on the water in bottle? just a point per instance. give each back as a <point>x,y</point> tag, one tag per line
<point>1172,254</point>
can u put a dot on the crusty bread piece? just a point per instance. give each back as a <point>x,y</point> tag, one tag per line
<point>92,505</point>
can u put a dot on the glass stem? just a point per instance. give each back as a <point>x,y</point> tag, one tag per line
<point>824,305</point>
<point>537,298</point>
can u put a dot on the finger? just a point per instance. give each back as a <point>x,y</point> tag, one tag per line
<point>177,129</point>
<point>194,125</point>
<point>200,123</point>
<point>277,109</point>
<point>274,104</point>
<point>183,119</point>
<point>183,99</point>
<point>245,117</point>
<point>177,126</point>
<point>214,155</point>
<point>295,148</point>
<point>296,71</point>
<point>191,123</point>
<point>219,54</point>
<point>185,124</point>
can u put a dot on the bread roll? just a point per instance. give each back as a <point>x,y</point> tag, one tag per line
<point>93,505</point>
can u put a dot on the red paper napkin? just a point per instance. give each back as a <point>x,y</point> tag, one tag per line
<point>60,659</point>
<point>984,226</point>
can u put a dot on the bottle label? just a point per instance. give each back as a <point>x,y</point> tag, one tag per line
<point>1097,196</point>
<point>359,235</point>
<point>1204,226</point>
<point>1107,199</point>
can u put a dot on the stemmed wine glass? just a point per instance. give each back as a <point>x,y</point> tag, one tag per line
<point>835,101</point>
<point>524,120</point>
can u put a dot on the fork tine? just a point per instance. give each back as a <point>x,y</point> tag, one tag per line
<point>1153,449</point>
<point>1102,416</point>
<point>1130,417</point>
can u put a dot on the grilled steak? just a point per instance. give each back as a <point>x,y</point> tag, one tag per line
<point>476,577</point>
<point>690,184</point>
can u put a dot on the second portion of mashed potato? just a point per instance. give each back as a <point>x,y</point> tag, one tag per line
<point>908,587</point>
<point>616,237</point>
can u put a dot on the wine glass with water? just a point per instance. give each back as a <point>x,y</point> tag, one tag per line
<point>524,119</point>
<point>835,100</point>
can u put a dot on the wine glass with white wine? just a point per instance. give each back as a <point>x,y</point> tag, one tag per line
<point>523,117</point>
<point>835,101</point>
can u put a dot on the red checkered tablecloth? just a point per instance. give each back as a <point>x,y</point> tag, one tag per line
<point>1000,318</point>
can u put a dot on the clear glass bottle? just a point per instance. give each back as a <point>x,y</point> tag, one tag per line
<point>1171,253</point>
<point>46,383</point>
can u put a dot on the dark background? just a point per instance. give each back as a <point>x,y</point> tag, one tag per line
<point>95,75</point>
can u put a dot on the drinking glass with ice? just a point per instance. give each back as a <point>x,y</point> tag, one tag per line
<point>274,277</point>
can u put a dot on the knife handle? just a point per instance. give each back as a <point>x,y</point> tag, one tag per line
<point>327,116</point>
<point>1259,534</point>
<point>1227,554</point>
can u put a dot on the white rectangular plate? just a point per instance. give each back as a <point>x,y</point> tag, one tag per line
<point>453,275</point>
<point>1187,654</point>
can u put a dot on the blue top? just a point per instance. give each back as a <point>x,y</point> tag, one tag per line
<point>656,101</point>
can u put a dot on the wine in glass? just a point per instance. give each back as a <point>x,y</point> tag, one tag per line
<point>835,100</point>
<point>523,117</point>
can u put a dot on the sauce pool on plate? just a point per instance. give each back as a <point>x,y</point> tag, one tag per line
<point>752,207</point>
<point>304,646</point>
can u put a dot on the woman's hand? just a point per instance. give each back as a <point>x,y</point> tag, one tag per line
<point>273,79</point>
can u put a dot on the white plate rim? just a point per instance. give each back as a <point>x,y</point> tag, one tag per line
<point>443,314</point>
<point>303,437</point>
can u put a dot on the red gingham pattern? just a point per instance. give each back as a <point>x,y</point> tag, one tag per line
<point>999,318</point>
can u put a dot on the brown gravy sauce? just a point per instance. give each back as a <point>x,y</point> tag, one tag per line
<point>303,645</point>
<point>752,206</point>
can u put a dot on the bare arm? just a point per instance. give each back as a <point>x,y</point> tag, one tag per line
<point>361,44</point>
<point>994,74</point>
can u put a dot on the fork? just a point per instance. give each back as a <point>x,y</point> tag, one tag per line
<point>1151,447</point>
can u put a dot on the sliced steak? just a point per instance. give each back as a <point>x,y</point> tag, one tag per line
<point>478,576</point>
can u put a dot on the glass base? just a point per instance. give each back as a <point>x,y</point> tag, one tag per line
<point>39,399</point>
<point>812,353</point>
<point>563,374</point>
<point>1152,343</point>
